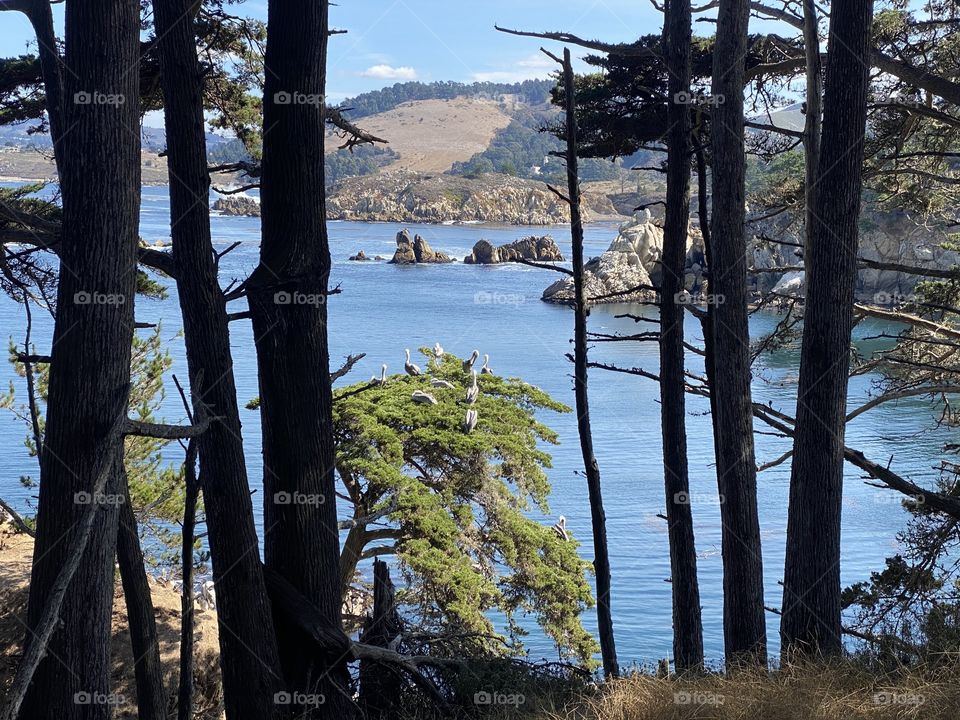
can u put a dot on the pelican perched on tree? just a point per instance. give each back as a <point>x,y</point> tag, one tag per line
<point>438,383</point>
<point>485,369</point>
<point>438,351</point>
<point>561,528</point>
<point>409,366</point>
<point>470,421</point>
<point>468,363</point>
<point>473,391</point>
<point>382,380</point>
<point>423,397</point>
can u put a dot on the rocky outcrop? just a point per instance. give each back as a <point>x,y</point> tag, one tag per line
<point>886,239</point>
<point>237,205</point>
<point>629,268</point>
<point>411,251</point>
<point>359,257</point>
<point>530,248</point>
<point>404,197</point>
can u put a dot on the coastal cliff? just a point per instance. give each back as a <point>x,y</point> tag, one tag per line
<point>404,197</point>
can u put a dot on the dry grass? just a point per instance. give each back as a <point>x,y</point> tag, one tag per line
<point>841,691</point>
<point>431,135</point>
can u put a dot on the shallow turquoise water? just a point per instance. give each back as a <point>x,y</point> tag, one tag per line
<point>383,309</point>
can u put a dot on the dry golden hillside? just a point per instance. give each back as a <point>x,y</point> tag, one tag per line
<point>431,135</point>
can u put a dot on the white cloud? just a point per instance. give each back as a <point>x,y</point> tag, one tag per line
<point>533,67</point>
<point>386,72</point>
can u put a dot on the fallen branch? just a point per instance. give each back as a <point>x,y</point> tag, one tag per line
<point>17,519</point>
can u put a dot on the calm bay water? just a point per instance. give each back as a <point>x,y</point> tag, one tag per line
<point>383,309</point>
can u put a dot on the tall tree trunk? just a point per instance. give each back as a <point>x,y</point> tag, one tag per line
<point>687,623</point>
<point>811,123</point>
<point>90,366</point>
<point>601,561</point>
<point>151,697</point>
<point>287,294</point>
<point>811,591</point>
<point>248,652</point>
<point>744,624</point>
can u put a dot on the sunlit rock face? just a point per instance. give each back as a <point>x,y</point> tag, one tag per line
<point>630,267</point>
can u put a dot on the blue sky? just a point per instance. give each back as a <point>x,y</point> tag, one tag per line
<point>391,41</point>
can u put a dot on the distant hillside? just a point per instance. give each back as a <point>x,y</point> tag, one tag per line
<point>431,135</point>
<point>528,92</point>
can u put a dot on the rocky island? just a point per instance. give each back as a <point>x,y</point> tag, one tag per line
<point>542,249</point>
<point>416,250</point>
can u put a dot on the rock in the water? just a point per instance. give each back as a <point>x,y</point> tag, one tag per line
<point>484,253</point>
<point>404,254</point>
<point>426,254</point>
<point>237,205</point>
<point>629,267</point>
<point>360,257</point>
<point>416,250</point>
<point>529,248</point>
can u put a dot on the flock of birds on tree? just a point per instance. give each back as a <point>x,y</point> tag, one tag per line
<point>473,392</point>
<point>425,398</point>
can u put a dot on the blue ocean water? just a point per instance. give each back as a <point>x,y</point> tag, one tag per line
<point>383,309</point>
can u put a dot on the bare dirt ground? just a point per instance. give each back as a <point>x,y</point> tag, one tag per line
<point>431,135</point>
<point>16,553</point>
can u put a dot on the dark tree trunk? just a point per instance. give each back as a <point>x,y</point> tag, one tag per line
<point>811,592</point>
<point>811,125</point>
<point>380,686</point>
<point>90,366</point>
<point>687,624</point>
<point>248,652</point>
<point>601,561</point>
<point>191,493</point>
<point>744,624</point>
<point>287,294</point>
<point>151,697</point>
